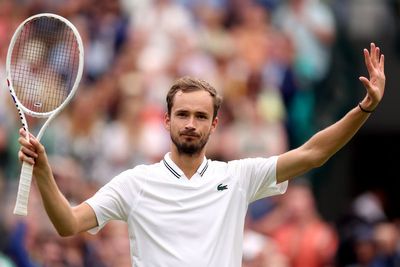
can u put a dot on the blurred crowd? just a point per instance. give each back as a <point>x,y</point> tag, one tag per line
<point>284,70</point>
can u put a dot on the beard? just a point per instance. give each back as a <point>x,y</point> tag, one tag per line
<point>190,148</point>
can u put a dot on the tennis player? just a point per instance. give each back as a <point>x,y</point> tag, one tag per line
<point>187,210</point>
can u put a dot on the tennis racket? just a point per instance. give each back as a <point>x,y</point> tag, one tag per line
<point>44,67</point>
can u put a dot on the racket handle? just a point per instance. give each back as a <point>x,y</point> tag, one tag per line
<point>24,187</point>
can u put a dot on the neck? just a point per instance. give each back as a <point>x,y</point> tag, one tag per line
<point>187,163</point>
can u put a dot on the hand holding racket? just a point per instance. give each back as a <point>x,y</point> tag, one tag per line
<point>44,67</point>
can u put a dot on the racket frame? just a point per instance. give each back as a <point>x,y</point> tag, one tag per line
<point>21,108</point>
<point>27,169</point>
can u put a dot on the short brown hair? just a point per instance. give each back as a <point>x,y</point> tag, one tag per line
<point>189,84</point>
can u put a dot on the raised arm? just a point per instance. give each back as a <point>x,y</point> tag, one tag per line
<point>66,219</point>
<point>319,148</point>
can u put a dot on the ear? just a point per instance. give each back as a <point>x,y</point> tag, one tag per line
<point>167,122</point>
<point>214,124</point>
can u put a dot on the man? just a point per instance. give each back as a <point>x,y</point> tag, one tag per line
<point>187,210</point>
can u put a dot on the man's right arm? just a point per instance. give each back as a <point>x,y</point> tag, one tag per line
<point>66,219</point>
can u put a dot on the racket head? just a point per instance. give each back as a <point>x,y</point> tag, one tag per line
<point>44,64</point>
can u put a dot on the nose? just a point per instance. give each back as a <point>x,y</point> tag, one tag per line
<point>190,124</point>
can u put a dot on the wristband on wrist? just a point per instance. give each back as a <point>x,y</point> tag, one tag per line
<point>364,110</point>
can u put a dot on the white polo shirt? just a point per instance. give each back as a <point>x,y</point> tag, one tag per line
<point>174,221</point>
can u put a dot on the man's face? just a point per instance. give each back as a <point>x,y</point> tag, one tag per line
<point>191,121</point>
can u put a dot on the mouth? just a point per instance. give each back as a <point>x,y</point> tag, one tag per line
<point>190,135</point>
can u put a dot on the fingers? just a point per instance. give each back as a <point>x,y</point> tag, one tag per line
<point>28,139</point>
<point>368,86</point>
<point>25,134</point>
<point>373,58</point>
<point>24,157</point>
<point>375,83</point>
<point>377,56</point>
<point>368,61</point>
<point>382,63</point>
<point>30,147</point>
<point>28,152</point>
<point>365,82</point>
<point>375,52</point>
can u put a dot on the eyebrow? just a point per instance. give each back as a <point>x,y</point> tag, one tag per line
<point>204,113</point>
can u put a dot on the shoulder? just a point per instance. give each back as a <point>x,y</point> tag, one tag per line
<point>130,181</point>
<point>258,161</point>
<point>235,165</point>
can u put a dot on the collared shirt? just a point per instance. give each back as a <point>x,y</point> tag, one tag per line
<point>175,221</point>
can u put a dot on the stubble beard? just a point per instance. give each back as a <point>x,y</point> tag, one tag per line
<point>190,149</point>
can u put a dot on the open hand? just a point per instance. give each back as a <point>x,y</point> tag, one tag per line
<point>375,85</point>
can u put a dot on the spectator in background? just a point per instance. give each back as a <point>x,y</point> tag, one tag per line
<point>261,251</point>
<point>356,31</point>
<point>113,246</point>
<point>79,132</point>
<point>107,29</point>
<point>311,26</point>
<point>252,98</point>
<point>377,246</point>
<point>5,261</point>
<point>356,228</point>
<point>4,153</point>
<point>298,230</point>
<point>364,248</point>
<point>136,128</point>
<point>387,240</point>
<point>252,37</point>
<point>381,24</point>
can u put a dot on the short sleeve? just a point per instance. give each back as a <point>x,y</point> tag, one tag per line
<point>258,178</point>
<point>111,201</point>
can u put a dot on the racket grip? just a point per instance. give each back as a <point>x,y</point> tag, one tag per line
<point>24,187</point>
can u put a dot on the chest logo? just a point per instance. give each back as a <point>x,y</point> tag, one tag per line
<point>222,187</point>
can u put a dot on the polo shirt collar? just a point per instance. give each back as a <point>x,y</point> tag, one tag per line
<point>177,172</point>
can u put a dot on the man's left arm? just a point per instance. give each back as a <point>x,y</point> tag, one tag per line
<point>319,148</point>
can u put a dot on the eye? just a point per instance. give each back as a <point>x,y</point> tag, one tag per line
<point>181,114</point>
<point>202,116</point>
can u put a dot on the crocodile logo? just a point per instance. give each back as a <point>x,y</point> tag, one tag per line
<point>222,187</point>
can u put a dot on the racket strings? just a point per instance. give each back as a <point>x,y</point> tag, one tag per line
<point>44,64</point>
